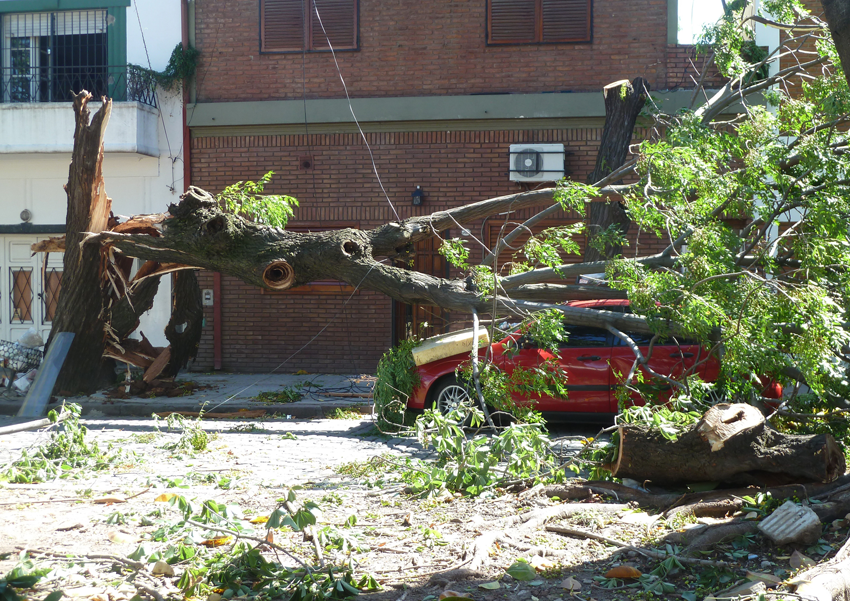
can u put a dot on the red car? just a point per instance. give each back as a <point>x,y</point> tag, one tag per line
<point>592,358</point>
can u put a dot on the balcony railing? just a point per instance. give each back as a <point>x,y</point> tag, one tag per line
<point>58,84</point>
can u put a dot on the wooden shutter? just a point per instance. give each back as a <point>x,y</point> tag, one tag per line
<point>566,20</point>
<point>283,25</point>
<point>339,18</point>
<point>512,21</point>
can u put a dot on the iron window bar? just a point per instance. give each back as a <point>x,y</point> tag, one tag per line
<point>47,57</point>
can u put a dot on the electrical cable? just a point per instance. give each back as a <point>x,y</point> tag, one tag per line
<point>351,108</point>
<point>171,156</point>
<point>304,346</point>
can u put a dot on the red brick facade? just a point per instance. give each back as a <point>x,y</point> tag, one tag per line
<point>407,48</point>
<point>430,47</point>
<point>261,330</point>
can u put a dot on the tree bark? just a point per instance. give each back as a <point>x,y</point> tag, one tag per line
<point>731,444</point>
<point>837,14</point>
<point>197,233</point>
<point>185,326</point>
<point>623,103</point>
<point>81,298</point>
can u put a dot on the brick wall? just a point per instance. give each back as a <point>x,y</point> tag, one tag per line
<point>807,46</point>
<point>416,48</point>
<point>261,330</point>
<point>684,67</point>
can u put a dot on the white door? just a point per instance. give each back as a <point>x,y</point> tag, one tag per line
<point>29,290</point>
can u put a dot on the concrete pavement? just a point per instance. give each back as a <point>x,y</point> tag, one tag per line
<point>320,395</point>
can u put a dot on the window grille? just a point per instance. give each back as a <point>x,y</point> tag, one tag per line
<point>49,56</point>
<point>50,293</point>
<point>21,297</point>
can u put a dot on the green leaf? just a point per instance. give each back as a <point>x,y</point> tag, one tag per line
<point>54,596</point>
<point>522,571</point>
<point>490,586</point>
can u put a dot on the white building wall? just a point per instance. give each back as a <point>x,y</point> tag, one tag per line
<point>143,167</point>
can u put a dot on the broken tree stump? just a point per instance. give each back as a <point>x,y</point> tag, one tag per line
<point>730,444</point>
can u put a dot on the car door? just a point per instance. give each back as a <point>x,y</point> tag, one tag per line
<point>669,359</point>
<point>584,358</point>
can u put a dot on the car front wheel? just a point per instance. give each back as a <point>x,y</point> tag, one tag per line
<point>450,395</point>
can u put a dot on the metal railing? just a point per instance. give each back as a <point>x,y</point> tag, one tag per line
<point>58,84</point>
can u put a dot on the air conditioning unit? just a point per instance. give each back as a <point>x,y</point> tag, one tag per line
<point>537,162</point>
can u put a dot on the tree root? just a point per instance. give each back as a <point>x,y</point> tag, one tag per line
<point>828,581</point>
<point>697,502</point>
<point>528,522</point>
<point>715,534</point>
<point>645,552</point>
<point>533,549</point>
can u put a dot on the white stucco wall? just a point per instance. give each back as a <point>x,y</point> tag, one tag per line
<point>143,167</point>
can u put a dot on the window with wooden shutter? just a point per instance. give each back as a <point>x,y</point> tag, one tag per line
<point>295,25</point>
<point>538,21</point>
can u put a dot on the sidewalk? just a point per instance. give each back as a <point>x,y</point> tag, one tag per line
<point>321,394</point>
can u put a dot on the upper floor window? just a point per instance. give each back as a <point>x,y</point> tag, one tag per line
<point>50,56</point>
<point>295,25</point>
<point>538,21</point>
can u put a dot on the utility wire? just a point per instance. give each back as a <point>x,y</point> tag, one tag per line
<point>351,108</point>
<point>171,156</point>
<point>304,346</point>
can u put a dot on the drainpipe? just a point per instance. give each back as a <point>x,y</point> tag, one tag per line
<point>187,181</point>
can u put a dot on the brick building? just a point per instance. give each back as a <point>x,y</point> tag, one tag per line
<point>440,88</point>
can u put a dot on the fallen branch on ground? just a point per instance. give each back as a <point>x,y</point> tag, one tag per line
<point>644,552</point>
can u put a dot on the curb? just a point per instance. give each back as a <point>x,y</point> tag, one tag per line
<point>94,408</point>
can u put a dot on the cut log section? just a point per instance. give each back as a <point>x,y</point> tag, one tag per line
<point>731,444</point>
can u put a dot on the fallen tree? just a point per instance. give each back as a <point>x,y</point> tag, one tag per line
<point>732,444</point>
<point>711,185</point>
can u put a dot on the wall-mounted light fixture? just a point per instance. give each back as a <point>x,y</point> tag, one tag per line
<point>26,215</point>
<point>418,196</point>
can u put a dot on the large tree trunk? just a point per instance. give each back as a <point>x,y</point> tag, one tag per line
<point>623,103</point>
<point>196,232</point>
<point>185,327</point>
<point>837,14</point>
<point>81,298</point>
<point>731,444</point>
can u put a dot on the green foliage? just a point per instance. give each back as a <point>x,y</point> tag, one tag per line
<point>498,388</point>
<point>66,454</point>
<point>762,503</point>
<point>181,67</point>
<point>484,278</point>
<point>342,413</point>
<point>239,569</point>
<point>193,437</point>
<point>287,394</point>
<point>546,329</point>
<point>735,54</point>
<point>395,380</point>
<point>669,422</point>
<point>610,237</point>
<point>246,200</point>
<point>23,576</point>
<point>573,196</point>
<point>478,463</point>
<point>546,247</point>
<point>455,252</point>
